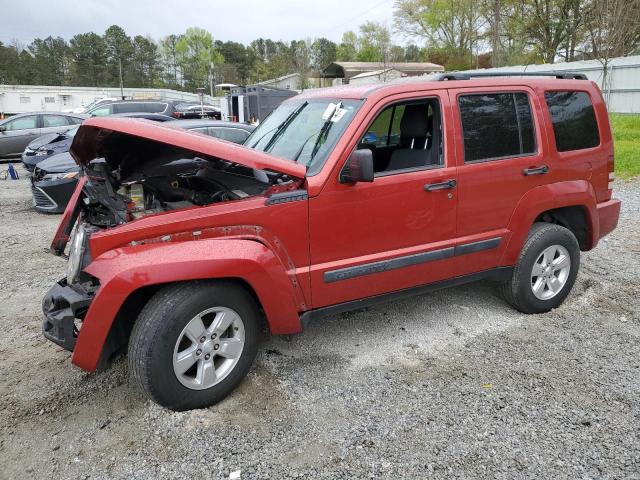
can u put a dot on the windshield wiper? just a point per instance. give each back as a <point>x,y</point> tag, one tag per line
<point>294,112</point>
<point>281,128</point>
<point>324,131</point>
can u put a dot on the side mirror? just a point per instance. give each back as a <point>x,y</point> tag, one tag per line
<point>359,167</point>
<point>3,128</point>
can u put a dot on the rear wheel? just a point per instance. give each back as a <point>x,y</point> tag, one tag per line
<point>546,269</point>
<point>193,343</point>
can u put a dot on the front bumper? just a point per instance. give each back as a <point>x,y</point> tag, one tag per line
<point>30,159</point>
<point>61,306</point>
<point>52,196</point>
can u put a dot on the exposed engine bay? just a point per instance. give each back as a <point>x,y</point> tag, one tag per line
<point>138,177</point>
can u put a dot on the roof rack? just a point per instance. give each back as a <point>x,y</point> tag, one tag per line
<point>469,75</point>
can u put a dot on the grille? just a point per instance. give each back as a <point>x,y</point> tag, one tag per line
<point>40,199</point>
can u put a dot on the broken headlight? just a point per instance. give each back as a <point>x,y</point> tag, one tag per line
<point>76,253</point>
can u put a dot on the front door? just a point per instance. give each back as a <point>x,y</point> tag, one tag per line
<point>18,133</point>
<point>399,230</point>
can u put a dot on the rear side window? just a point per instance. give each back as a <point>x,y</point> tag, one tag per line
<point>154,107</point>
<point>574,120</point>
<point>496,125</point>
<point>54,121</point>
<point>132,107</point>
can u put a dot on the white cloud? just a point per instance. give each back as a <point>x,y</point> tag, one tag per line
<point>238,20</point>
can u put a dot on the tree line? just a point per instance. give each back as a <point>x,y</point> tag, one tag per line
<point>459,34</point>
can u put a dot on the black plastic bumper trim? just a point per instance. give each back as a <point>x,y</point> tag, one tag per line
<point>409,260</point>
<point>61,306</point>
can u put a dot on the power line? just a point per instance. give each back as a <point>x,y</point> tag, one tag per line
<point>357,17</point>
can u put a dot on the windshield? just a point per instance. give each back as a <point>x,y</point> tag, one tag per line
<point>304,131</point>
<point>72,132</point>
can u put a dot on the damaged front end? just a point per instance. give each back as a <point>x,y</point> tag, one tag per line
<point>132,169</point>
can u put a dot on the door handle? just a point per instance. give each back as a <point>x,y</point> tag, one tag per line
<point>432,187</point>
<point>535,171</point>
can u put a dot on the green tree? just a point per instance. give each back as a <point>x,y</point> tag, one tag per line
<point>412,53</point>
<point>453,27</point>
<point>88,54</point>
<point>9,64</point>
<point>323,53</point>
<point>239,61</point>
<point>348,48</point>
<point>170,60</point>
<point>51,60</point>
<point>119,53</point>
<point>145,62</point>
<point>374,43</point>
<point>197,57</point>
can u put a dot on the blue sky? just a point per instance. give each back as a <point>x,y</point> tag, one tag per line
<point>238,20</point>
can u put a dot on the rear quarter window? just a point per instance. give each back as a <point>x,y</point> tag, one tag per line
<point>574,120</point>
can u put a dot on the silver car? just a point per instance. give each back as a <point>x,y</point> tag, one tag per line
<point>18,131</point>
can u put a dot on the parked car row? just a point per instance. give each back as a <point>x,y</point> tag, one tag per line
<point>18,131</point>
<point>165,107</point>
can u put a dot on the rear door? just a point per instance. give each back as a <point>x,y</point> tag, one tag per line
<point>502,158</point>
<point>18,133</point>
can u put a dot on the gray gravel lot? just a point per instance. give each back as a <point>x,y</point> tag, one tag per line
<point>450,385</point>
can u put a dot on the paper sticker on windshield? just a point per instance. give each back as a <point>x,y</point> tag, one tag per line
<point>339,113</point>
<point>330,110</point>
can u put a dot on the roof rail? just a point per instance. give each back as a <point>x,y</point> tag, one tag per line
<point>469,75</point>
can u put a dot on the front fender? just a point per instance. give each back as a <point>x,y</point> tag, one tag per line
<point>124,270</point>
<point>548,197</point>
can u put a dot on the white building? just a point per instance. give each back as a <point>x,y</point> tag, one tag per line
<point>30,98</point>
<point>376,76</point>
<point>293,81</point>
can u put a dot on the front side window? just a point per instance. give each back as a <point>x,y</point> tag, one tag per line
<point>496,125</point>
<point>574,120</point>
<point>22,123</point>
<point>405,136</point>
<point>304,131</point>
<point>54,121</point>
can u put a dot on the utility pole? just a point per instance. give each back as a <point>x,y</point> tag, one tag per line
<point>211,78</point>
<point>495,35</point>
<point>121,82</point>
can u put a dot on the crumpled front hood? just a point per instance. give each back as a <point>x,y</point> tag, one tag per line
<point>93,132</point>
<point>44,140</point>
<point>60,163</point>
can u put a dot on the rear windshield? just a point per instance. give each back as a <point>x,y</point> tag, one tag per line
<point>574,120</point>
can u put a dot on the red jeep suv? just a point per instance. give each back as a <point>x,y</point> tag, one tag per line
<point>183,248</point>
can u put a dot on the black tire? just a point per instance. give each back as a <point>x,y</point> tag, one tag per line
<point>158,327</point>
<point>518,290</point>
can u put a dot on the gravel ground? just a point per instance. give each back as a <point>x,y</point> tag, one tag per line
<point>450,385</point>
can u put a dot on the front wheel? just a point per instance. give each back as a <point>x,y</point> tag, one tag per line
<point>546,269</point>
<point>193,343</point>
